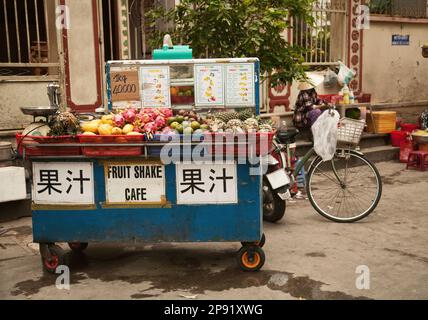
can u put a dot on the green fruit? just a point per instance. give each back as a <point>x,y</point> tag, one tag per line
<point>179,119</point>
<point>171,120</point>
<point>195,125</point>
<point>205,127</point>
<point>189,93</point>
<point>188,130</point>
<point>181,93</point>
<point>174,125</point>
<point>179,128</point>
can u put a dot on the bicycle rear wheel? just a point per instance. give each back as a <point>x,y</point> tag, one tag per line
<point>346,189</point>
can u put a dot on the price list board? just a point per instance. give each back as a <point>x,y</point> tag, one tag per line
<point>240,84</point>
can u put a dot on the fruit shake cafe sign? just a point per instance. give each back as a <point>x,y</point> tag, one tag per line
<point>136,183</point>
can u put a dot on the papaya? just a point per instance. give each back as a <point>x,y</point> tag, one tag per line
<point>107,119</point>
<point>116,131</point>
<point>90,126</point>
<point>105,129</point>
<point>127,129</point>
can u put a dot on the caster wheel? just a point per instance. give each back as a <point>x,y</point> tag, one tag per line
<point>78,246</point>
<point>260,243</point>
<point>57,259</point>
<point>251,258</point>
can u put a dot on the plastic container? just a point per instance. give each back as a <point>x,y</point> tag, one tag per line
<point>116,151</point>
<point>330,98</point>
<point>406,147</point>
<point>409,127</point>
<point>240,144</point>
<point>29,143</point>
<point>397,137</point>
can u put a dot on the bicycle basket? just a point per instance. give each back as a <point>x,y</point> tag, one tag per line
<point>349,131</point>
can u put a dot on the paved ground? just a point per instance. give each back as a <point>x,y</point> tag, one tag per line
<point>307,258</point>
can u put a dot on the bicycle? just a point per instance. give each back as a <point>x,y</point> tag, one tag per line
<point>346,189</point>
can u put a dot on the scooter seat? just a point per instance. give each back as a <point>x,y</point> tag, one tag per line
<point>288,136</point>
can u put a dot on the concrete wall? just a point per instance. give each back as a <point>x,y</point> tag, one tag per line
<point>395,73</point>
<point>14,95</point>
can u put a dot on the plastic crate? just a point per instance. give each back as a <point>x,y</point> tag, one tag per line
<point>29,144</point>
<point>240,144</point>
<point>382,122</point>
<point>349,131</point>
<point>116,151</point>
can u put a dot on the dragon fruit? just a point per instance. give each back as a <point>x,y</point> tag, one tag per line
<point>137,129</point>
<point>147,110</point>
<point>160,122</point>
<point>129,115</point>
<point>119,120</point>
<point>150,127</point>
<point>167,112</point>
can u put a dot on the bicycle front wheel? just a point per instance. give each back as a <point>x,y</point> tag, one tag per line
<point>345,189</point>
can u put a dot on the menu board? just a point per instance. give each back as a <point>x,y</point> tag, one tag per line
<point>240,84</point>
<point>124,85</point>
<point>155,86</point>
<point>209,85</point>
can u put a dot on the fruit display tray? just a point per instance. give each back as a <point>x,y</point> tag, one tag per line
<point>111,151</point>
<point>30,145</point>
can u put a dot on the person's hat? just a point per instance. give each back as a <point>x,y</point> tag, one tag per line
<point>313,80</point>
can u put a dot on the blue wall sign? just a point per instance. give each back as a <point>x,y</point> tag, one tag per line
<point>400,40</point>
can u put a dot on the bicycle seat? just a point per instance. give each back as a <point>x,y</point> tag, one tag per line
<point>288,136</point>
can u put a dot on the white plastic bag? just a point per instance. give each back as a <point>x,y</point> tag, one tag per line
<point>330,79</point>
<point>324,131</point>
<point>345,74</point>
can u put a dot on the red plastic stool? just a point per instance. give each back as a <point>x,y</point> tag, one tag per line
<point>418,160</point>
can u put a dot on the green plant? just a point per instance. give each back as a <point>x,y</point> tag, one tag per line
<point>380,6</point>
<point>239,28</point>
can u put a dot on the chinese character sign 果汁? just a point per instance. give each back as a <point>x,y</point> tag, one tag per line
<point>205,184</point>
<point>63,183</point>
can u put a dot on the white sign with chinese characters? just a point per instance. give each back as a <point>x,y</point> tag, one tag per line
<point>63,183</point>
<point>206,183</point>
<point>135,183</point>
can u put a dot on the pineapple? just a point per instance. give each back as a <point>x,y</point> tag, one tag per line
<point>226,116</point>
<point>246,114</point>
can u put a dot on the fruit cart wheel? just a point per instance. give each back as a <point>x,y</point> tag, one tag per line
<point>260,243</point>
<point>78,246</point>
<point>251,258</point>
<point>56,259</point>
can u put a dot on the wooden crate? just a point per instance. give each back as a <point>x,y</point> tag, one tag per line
<point>384,122</point>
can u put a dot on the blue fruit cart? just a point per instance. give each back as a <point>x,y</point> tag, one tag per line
<point>102,197</point>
